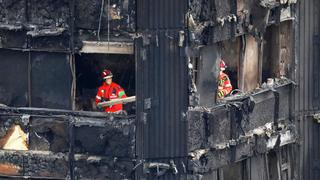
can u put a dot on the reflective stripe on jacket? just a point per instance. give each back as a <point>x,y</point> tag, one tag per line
<point>108,92</point>
<point>224,85</point>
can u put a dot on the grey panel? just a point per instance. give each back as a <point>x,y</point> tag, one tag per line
<point>162,95</point>
<point>13,78</point>
<point>307,94</point>
<point>51,80</point>
<point>164,14</point>
<point>208,74</point>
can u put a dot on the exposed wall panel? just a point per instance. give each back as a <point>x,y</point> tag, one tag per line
<point>250,74</point>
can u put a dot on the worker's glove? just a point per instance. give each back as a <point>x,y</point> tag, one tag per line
<point>99,106</point>
<point>220,94</point>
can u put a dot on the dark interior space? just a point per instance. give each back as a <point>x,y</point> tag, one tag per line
<point>88,77</point>
<point>270,51</point>
<point>230,53</point>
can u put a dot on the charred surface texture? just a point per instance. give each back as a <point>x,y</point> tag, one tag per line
<point>121,15</point>
<point>49,134</point>
<point>49,26</point>
<point>34,164</point>
<point>214,21</point>
<point>239,129</point>
<point>13,12</point>
<point>13,39</point>
<point>90,145</point>
<point>111,138</point>
<point>50,13</point>
<point>94,167</point>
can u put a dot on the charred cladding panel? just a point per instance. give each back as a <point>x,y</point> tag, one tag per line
<point>13,11</point>
<point>164,14</point>
<point>51,80</point>
<point>49,13</point>
<point>121,15</point>
<point>13,39</point>
<point>162,94</point>
<point>14,78</point>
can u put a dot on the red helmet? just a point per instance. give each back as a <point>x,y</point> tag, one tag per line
<point>222,65</point>
<point>106,74</point>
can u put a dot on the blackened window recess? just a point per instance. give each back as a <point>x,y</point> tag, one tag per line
<point>230,53</point>
<point>13,78</point>
<point>51,80</point>
<point>270,51</point>
<point>88,74</point>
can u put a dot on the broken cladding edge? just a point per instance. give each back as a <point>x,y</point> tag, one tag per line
<point>107,47</point>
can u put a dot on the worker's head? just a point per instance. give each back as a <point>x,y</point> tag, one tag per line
<point>222,65</point>
<point>107,76</point>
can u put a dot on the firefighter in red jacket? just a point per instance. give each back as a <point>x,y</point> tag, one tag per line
<point>224,84</point>
<point>109,91</point>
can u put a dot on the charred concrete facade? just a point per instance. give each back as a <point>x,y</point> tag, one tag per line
<point>166,53</point>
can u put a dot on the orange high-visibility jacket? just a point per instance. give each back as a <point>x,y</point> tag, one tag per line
<point>108,92</point>
<point>224,86</point>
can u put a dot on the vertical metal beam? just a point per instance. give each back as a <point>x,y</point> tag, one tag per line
<point>260,61</point>
<point>71,148</point>
<point>72,56</point>
<point>242,63</point>
<point>29,79</point>
<point>267,166</point>
<point>74,80</point>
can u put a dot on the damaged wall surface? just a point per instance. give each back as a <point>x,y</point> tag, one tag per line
<point>62,25</point>
<point>66,144</point>
<point>227,134</point>
<point>173,135</point>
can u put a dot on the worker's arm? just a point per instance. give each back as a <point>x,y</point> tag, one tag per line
<point>227,86</point>
<point>99,96</point>
<point>121,93</point>
<point>224,87</point>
